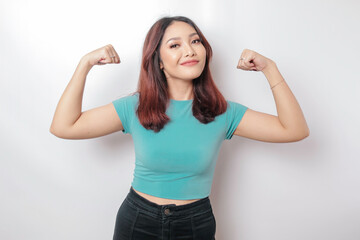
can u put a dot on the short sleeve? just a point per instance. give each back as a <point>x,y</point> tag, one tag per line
<point>234,114</point>
<point>124,108</point>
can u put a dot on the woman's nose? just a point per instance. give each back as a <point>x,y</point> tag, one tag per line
<point>189,51</point>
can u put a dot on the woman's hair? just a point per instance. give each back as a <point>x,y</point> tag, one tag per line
<point>153,88</point>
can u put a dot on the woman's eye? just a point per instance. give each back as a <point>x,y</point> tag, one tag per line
<point>198,41</point>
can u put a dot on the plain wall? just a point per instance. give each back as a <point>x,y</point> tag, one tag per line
<point>58,189</point>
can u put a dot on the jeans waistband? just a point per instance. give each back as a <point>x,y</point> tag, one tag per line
<point>198,206</point>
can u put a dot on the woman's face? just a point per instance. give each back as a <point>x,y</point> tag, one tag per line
<point>180,44</point>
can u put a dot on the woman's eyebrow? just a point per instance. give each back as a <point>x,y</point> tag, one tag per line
<point>192,34</point>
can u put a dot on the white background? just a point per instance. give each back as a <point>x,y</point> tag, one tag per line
<point>59,189</point>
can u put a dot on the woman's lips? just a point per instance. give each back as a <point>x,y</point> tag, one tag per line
<point>190,63</point>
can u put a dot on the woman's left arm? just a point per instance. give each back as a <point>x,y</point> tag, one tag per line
<point>289,112</point>
<point>290,124</point>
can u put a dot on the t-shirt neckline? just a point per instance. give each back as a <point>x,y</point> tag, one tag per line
<point>173,100</point>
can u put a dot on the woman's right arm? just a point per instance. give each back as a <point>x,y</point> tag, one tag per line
<point>69,122</point>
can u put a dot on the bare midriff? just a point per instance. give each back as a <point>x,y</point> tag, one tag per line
<point>164,201</point>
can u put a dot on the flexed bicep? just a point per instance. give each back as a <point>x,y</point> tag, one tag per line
<point>264,127</point>
<point>93,123</point>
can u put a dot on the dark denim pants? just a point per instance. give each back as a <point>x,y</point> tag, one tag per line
<point>141,219</point>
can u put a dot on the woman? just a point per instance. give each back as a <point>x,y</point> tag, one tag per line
<point>178,119</point>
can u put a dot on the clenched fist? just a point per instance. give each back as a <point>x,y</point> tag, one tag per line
<point>251,60</point>
<point>102,56</point>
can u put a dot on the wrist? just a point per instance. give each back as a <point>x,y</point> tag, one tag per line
<point>85,62</point>
<point>269,67</point>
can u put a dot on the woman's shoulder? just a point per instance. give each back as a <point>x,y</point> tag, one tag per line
<point>128,100</point>
<point>129,97</point>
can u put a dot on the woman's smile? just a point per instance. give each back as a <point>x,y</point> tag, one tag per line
<point>190,63</point>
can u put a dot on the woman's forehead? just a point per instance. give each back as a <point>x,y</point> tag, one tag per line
<point>178,29</point>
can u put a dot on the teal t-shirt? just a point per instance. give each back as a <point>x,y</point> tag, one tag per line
<point>179,161</point>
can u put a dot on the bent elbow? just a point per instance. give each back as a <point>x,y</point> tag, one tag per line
<point>58,133</point>
<point>54,132</point>
<point>302,136</point>
<point>307,133</point>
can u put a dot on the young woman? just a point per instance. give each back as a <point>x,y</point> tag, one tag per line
<point>178,119</point>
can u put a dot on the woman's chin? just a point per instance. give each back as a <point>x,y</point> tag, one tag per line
<point>191,76</point>
<point>187,76</point>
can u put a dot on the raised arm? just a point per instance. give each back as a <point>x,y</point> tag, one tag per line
<point>69,121</point>
<point>290,124</point>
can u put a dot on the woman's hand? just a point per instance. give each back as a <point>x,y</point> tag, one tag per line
<point>251,60</point>
<point>102,56</point>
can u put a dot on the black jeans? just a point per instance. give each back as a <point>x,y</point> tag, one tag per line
<point>141,219</point>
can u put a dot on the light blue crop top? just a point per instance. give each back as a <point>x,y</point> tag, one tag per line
<point>179,161</point>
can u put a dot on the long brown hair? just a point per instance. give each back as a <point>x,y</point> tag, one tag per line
<point>153,89</point>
